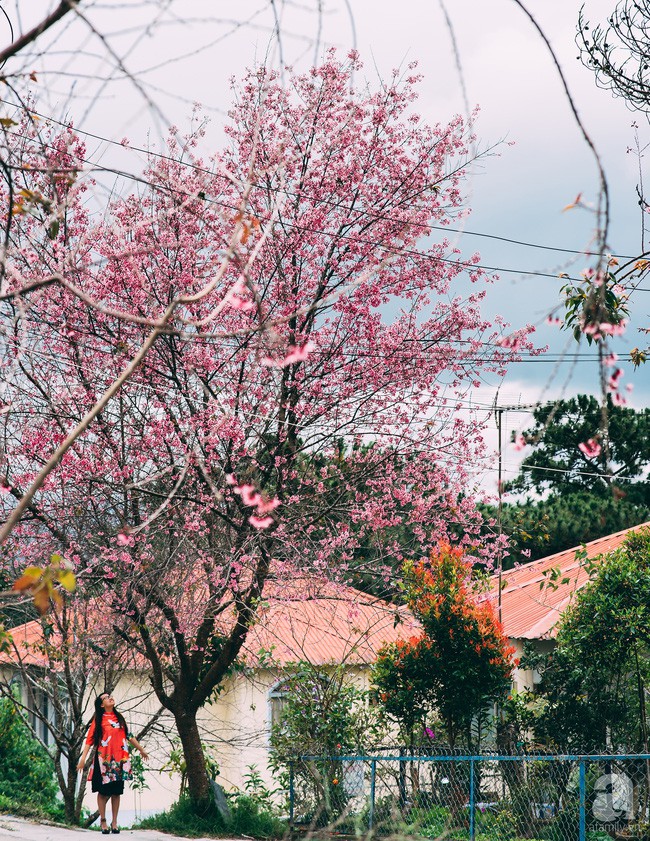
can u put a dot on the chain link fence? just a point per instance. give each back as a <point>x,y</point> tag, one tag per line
<point>488,797</point>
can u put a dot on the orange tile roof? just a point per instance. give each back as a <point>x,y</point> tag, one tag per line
<point>531,611</point>
<point>303,619</point>
<point>27,640</point>
<point>325,623</point>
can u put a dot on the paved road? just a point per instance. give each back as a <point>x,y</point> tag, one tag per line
<point>18,829</point>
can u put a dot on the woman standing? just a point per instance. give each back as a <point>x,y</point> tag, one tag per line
<point>110,737</point>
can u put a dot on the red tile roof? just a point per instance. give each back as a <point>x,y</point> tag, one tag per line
<point>531,611</point>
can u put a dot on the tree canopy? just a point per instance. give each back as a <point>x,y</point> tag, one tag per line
<point>574,492</point>
<point>199,346</point>
<point>459,664</point>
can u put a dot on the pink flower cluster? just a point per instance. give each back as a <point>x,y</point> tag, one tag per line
<point>252,498</point>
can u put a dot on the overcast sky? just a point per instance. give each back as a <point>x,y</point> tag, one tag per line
<point>189,56</point>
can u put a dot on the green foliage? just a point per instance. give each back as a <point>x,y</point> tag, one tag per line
<point>457,666</point>
<point>594,681</point>
<point>138,782</point>
<point>25,809</point>
<point>538,528</point>
<point>324,715</point>
<point>580,499</point>
<point>26,769</point>
<point>557,464</point>
<point>176,763</point>
<point>593,302</point>
<point>248,818</point>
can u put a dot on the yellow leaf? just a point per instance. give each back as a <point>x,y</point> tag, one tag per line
<point>28,579</point>
<point>67,579</point>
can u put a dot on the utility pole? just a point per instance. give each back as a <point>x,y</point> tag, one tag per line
<point>498,414</point>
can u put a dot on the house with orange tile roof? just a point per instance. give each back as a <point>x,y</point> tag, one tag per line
<point>305,619</point>
<point>534,595</point>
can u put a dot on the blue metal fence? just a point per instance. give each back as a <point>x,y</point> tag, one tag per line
<point>482,797</point>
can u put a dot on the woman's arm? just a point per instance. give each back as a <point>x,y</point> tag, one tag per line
<point>136,744</point>
<point>90,738</point>
<point>84,756</point>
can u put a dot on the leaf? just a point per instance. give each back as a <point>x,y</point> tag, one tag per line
<point>68,580</point>
<point>41,600</point>
<point>32,76</point>
<point>27,580</point>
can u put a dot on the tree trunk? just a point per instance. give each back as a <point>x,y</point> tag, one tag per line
<point>198,783</point>
<point>67,786</point>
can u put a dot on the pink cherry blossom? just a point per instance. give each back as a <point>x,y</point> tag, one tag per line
<point>590,448</point>
<point>249,494</point>
<point>613,380</point>
<point>265,506</point>
<point>519,442</point>
<point>260,522</point>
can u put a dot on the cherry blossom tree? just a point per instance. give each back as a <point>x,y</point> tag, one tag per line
<point>281,353</point>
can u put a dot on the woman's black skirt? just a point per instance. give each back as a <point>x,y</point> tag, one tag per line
<point>105,789</point>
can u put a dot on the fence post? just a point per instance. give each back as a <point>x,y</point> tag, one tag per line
<point>582,831</point>
<point>373,778</point>
<point>291,796</point>
<point>402,778</point>
<point>471,800</point>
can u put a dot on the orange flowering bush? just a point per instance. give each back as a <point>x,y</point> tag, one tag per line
<point>459,664</point>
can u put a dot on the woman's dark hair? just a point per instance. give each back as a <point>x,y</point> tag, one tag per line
<point>99,713</point>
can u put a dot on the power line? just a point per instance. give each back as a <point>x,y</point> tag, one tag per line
<point>462,264</point>
<point>330,202</point>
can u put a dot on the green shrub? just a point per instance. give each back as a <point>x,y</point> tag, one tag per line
<point>26,768</point>
<point>25,809</point>
<point>248,817</point>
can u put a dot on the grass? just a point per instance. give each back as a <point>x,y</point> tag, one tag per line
<point>247,818</point>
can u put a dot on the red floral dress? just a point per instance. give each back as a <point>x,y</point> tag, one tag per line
<point>113,750</point>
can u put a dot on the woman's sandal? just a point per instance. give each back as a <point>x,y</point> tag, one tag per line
<point>115,830</point>
<point>105,829</point>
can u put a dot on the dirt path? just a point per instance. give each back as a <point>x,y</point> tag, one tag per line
<point>19,829</point>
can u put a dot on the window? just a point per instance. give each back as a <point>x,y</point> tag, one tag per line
<point>277,702</point>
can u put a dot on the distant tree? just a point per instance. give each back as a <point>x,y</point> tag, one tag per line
<point>619,52</point>
<point>594,683</point>
<point>540,527</point>
<point>574,494</point>
<point>560,465</point>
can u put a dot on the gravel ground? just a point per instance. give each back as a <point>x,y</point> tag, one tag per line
<point>19,829</point>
